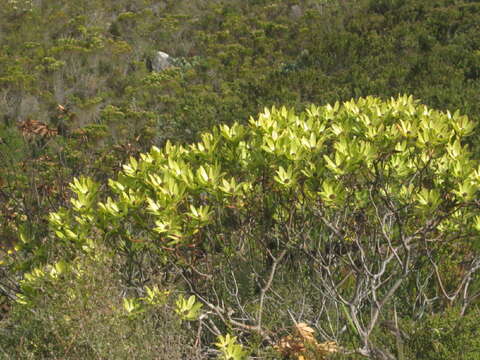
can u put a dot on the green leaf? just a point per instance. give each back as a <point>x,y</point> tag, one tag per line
<point>188,310</point>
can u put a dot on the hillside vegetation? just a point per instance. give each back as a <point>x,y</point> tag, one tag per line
<point>209,210</point>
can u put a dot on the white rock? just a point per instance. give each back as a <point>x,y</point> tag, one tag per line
<point>296,11</point>
<point>161,61</point>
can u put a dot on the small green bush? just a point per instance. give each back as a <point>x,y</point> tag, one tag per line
<point>77,312</point>
<point>445,336</point>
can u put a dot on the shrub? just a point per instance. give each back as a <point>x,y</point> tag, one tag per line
<point>447,335</point>
<point>76,312</point>
<point>339,216</point>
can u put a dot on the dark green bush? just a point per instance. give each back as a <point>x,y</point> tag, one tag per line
<point>444,336</point>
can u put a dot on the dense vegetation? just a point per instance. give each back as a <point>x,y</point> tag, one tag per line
<point>359,218</point>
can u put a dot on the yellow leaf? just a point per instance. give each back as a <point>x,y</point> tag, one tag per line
<point>306,332</point>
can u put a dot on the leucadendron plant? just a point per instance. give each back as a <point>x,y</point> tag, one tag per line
<point>348,217</point>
